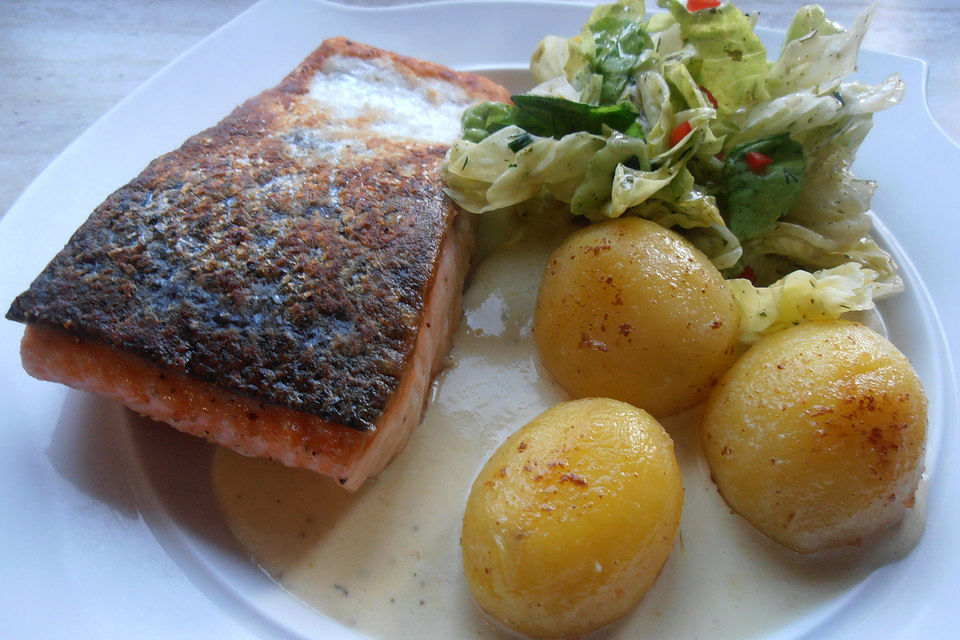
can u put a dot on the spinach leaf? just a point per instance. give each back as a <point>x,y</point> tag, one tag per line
<point>548,116</point>
<point>761,188</point>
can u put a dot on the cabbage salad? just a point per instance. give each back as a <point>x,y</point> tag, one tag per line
<point>680,118</point>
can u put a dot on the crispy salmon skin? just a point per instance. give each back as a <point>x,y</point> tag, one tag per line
<point>299,259</point>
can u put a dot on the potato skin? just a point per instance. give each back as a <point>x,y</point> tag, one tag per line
<point>630,310</point>
<point>816,435</point>
<point>570,521</point>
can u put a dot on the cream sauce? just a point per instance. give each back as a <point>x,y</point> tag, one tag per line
<point>386,560</point>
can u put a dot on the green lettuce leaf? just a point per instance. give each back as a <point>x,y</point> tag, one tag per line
<point>616,45</point>
<point>816,51</point>
<point>801,297</point>
<point>594,197</point>
<point>599,132</point>
<point>809,19</point>
<point>731,62</point>
<point>481,120</point>
<point>487,175</point>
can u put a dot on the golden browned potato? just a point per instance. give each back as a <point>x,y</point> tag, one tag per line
<point>571,519</point>
<point>816,435</point>
<point>630,310</point>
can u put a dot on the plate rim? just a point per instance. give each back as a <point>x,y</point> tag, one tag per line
<point>949,368</point>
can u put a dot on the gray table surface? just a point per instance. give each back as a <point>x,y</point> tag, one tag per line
<point>63,63</point>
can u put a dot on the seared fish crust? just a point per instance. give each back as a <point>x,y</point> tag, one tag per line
<point>285,283</point>
<point>285,254</point>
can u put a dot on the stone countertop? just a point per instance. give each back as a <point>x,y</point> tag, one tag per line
<point>63,63</point>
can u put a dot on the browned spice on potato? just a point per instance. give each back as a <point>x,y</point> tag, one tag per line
<point>816,435</point>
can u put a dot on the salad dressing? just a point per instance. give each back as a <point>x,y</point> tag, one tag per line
<point>386,559</point>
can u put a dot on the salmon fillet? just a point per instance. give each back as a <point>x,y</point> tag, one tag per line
<point>286,282</point>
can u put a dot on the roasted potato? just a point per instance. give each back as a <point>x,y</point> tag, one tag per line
<point>816,435</point>
<point>571,519</point>
<point>630,310</point>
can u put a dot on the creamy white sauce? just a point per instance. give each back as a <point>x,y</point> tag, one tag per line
<point>386,560</point>
<point>388,101</point>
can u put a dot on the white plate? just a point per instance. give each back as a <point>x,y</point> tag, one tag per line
<point>100,541</point>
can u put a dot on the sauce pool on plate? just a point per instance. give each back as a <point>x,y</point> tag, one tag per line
<point>386,560</point>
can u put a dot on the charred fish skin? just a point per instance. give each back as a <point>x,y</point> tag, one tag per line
<point>286,253</point>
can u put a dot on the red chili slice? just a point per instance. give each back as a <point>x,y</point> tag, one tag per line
<point>758,162</point>
<point>710,97</point>
<point>697,5</point>
<point>679,133</point>
<point>749,274</point>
